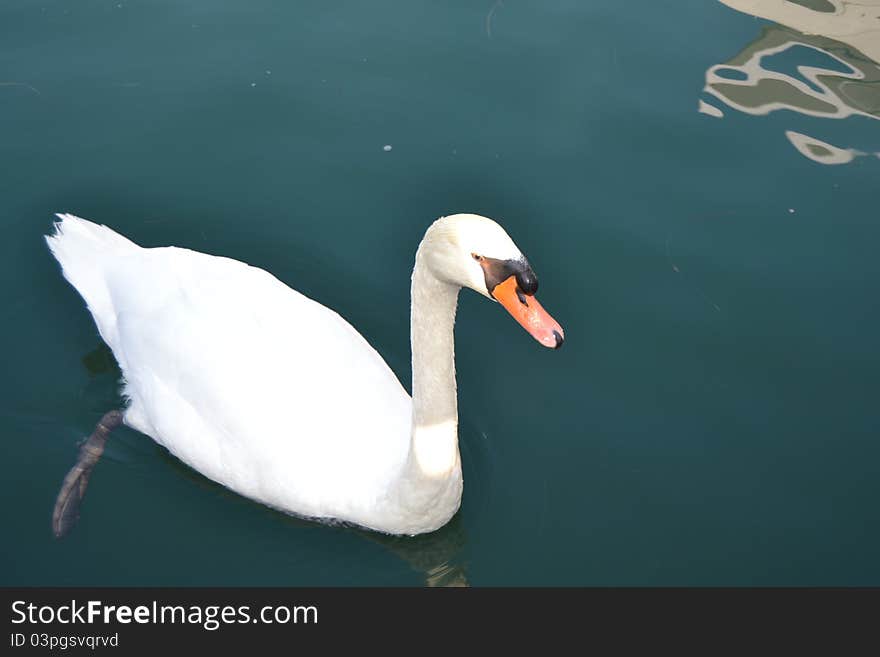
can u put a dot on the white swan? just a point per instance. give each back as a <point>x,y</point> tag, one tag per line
<point>276,396</point>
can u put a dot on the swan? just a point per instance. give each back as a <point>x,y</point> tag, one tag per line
<point>276,396</point>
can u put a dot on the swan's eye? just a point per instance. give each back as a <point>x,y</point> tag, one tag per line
<point>476,257</point>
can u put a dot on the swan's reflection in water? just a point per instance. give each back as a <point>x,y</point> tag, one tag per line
<point>821,62</point>
<point>436,556</point>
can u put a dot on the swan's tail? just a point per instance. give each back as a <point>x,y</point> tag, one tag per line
<point>84,249</point>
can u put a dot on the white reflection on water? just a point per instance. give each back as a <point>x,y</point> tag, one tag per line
<point>856,24</point>
<point>846,35</point>
<point>821,151</point>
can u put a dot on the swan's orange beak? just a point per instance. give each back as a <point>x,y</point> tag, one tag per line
<point>529,313</point>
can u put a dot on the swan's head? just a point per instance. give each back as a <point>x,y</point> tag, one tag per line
<point>472,251</point>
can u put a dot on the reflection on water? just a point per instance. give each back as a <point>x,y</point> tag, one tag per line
<point>437,556</point>
<point>820,91</point>
<point>822,61</point>
<point>820,151</point>
<point>855,24</point>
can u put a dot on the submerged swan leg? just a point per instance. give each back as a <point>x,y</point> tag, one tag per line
<point>73,489</point>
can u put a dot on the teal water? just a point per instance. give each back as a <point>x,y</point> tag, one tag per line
<point>712,417</point>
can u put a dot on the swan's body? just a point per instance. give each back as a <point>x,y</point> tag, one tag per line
<point>272,394</point>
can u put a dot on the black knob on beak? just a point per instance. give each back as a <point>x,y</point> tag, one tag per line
<point>527,281</point>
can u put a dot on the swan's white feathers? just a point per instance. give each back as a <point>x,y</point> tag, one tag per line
<point>248,381</point>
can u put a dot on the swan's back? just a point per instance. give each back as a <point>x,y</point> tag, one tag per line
<point>248,381</point>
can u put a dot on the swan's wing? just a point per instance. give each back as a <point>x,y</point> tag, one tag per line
<point>254,384</point>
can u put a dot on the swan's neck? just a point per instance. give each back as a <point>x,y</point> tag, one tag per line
<point>434,447</point>
<point>428,492</point>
